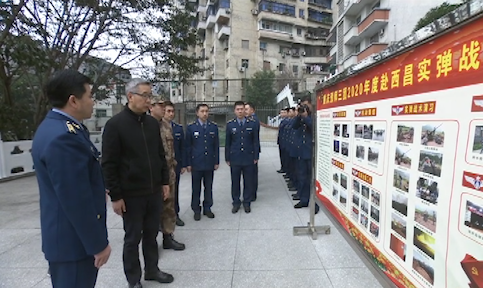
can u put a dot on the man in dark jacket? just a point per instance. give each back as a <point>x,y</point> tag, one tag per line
<point>135,170</point>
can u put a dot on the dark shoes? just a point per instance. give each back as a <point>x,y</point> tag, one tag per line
<point>235,209</point>
<point>160,277</point>
<point>300,205</point>
<point>197,216</point>
<point>295,197</point>
<point>179,222</point>
<point>247,209</point>
<point>280,171</point>
<point>137,285</point>
<point>170,243</point>
<point>209,214</point>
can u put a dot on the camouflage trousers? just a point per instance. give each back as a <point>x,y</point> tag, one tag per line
<point>168,215</point>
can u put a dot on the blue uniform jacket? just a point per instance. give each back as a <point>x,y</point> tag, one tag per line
<point>292,141</point>
<point>303,136</point>
<point>242,146</point>
<point>202,146</point>
<point>281,131</point>
<point>72,191</point>
<point>178,135</point>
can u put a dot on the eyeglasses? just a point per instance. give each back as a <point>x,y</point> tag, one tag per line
<point>147,96</point>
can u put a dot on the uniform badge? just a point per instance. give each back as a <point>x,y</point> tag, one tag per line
<point>196,133</point>
<point>249,129</point>
<point>233,129</point>
<point>212,132</point>
<point>177,134</point>
<point>70,127</point>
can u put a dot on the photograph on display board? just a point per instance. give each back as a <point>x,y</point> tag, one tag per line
<point>335,192</point>
<point>373,155</point>
<point>343,181</point>
<point>343,197</point>
<point>337,130</point>
<point>355,199</point>
<point>364,220</point>
<point>356,186</point>
<point>402,157</point>
<point>400,202</point>
<point>478,140</point>
<point>365,206</point>
<point>374,229</point>
<point>368,131</point>
<point>365,191</point>
<point>423,266</point>
<point>379,135</point>
<point>430,162</point>
<point>335,177</point>
<point>425,215</point>
<point>375,197</point>
<point>355,214</point>
<point>359,131</point>
<point>398,224</point>
<point>405,134</point>
<point>424,242</point>
<point>345,131</point>
<point>336,146</point>
<point>375,213</point>
<point>360,152</point>
<point>398,247</point>
<point>401,180</point>
<point>345,149</point>
<point>432,135</point>
<point>427,190</point>
<point>474,216</point>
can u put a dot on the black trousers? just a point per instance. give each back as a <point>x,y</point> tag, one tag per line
<point>141,222</point>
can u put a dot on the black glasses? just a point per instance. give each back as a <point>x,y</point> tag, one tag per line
<point>147,96</point>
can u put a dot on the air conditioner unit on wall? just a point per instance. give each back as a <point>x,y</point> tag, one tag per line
<point>242,69</point>
<point>228,11</point>
<point>254,11</point>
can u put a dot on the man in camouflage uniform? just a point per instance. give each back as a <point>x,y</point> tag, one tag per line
<point>168,215</point>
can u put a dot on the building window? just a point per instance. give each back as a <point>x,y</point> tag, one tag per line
<point>301,13</point>
<point>101,113</point>
<point>227,63</point>
<point>266,66</point>
<point>224,3</point>
<point>281,67</point>
<point>295,70</point>
<point>174,93</point>
<point>263,45</point>
<point>227,83</point>
<point>245,44</point>
<point>357,49</point>
<point>377,5</point>
<point>299,31</point>
<point>322,17</point>
<point>374,39</point>
<point>276,26</point>
<point>358,19</point>
<point>275,7</point>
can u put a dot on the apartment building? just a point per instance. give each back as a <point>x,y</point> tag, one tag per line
<point>241,37</point>
<point>364,27</point>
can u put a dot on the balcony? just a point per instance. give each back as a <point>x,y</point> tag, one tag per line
<point>277,17</point>
<point>202,9</point>
<point>224,32</point>
<point>325,5</point>
<point>325,21</point>
<point>223,16</point>
<point>315,59</point>
<point>350,60</point>
<point>374,22</point>
<point>270,34</point>
<point>351,37</point>
<point>211,21</point>
<point>355,7</point>
<point>371,49</point>
<point>201,24</point>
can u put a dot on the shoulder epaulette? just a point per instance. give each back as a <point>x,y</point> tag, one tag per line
<point>72,127</point>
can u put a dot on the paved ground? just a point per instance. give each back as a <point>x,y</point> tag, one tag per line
<point>241,250</point>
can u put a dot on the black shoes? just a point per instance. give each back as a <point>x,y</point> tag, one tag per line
<point>235,209</point>
<point>137,285</point>
<point>295,197</point>
<point>280,171</point>
<point>170,243</point>
<point>160,277</point>
<point>179,222</point>
<point>300,205</point>
<point>247,209</point>
<point>209,214</point>
<point>197,216</point>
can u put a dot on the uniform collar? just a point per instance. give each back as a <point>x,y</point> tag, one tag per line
<point>68,116</point>
<point>201,122</point>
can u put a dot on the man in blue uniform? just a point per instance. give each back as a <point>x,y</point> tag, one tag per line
<point>202,147</point>
<point>72,192</point>
<point>250,113</point>
<point>178,135</point>
<point>283,122</point>
<point>242,150</point>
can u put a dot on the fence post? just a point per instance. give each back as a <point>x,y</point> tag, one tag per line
<point>2,159</point>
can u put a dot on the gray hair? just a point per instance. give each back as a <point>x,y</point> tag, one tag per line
<point>132,86</point>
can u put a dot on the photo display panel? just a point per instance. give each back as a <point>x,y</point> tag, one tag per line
<point>400,160</point>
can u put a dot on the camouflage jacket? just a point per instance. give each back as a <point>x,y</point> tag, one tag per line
<point>168,144</point>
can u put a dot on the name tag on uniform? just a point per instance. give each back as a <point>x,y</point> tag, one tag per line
<point>196,133</point>
<point>177,134</point>
<point>233,129</point>
<point>212,132</point>
<point>249,129</point>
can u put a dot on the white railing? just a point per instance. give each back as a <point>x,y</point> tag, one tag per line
<point>16,159</point>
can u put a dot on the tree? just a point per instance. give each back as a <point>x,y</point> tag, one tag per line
<point>284,78</point>
<point>260,88</point>
<point>69,33</point>
<point>436,13</point>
